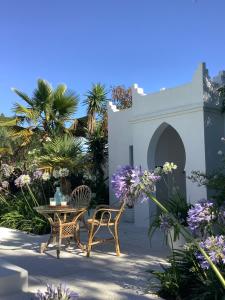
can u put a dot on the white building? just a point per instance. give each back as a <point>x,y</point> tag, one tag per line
<point>183,125</point>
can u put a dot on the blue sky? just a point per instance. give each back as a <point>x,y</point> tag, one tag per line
<point>155,43</point>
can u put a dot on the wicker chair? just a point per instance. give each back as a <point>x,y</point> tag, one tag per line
<point>81,196</point>
<point>104,216</point>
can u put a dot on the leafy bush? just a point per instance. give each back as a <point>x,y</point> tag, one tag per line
<point>186,280</point>
<point>18,213</point>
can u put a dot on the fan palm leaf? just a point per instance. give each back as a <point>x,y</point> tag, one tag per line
<point>63,151</point>
<point>48,108</point>
<point>29,114</point>
<point>6,150</point>
<point>23,96</point>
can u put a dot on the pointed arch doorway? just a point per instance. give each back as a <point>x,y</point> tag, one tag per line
<point>166,145</point>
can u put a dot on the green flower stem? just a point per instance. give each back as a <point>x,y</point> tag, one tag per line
<point>186,234</point>
<point>32,195</point>
<point>26,200</point>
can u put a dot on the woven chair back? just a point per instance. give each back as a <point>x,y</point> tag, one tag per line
<point>81,196</point>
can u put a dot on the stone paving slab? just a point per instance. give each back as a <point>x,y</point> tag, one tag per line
<point>102,276</point>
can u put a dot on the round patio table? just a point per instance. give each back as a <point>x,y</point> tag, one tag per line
<point>64,222</point>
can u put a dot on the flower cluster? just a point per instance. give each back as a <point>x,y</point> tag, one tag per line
<point>168,167</point>
<point>165,222</point>
<point>62,172</point>
<point>201,214</point>
<point>123,180</point>
<point>131,183</point>
<point>57,293</point>
<point>22,180</point>
<point>215,248</point>
<point>7,170</point>
<point>5,184</point>
<point>33,152</point>
<point>37,174</point>
<point>46,176</point>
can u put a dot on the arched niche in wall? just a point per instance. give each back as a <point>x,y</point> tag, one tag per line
<point>166,145</point>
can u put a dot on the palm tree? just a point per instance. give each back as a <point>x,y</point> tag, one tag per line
<point>96,104</point>
<point>97,156</point>
<point>46,112</point>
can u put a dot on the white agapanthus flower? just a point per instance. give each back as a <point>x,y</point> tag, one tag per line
<point>56,174</point>
<point>220,152</point>
<point>7,170</point>
<point>63,172</point>
<point>45,176</point>
<point>22,180</point>
<point>168,167</point>
<point>5,184</point>
<point>26,179</point>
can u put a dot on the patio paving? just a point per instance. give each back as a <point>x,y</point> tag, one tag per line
<point>102,276</point>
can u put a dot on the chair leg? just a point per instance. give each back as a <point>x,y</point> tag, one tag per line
<point>117,244</point>
<point>77,236</point>
<point>44,246</point>
<point>90,238</point>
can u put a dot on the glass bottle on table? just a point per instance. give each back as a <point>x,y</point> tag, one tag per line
<point>58,196</point>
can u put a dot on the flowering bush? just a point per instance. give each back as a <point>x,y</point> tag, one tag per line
<point>60,292</point>
<point>132,184</point>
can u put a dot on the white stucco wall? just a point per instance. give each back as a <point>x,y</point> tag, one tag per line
<point>182,108</point>
<point>119,139</point>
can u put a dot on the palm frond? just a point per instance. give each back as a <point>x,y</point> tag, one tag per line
<point>6,150</point>
<point>29,114</point>
<point>42,93</point>
<point>64,104</point>
<point>64,151</point>
<point>23,96</point>
<point>8,122</point>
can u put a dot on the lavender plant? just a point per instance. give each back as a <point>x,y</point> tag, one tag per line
<point>60,292</point>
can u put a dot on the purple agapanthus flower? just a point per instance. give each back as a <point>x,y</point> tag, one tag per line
<point>37,174</point>
<point>57,293</point>
<point>215,248</point>
<point>123,180</point>
<point>165,222</point>
<point>201,214</point>
<point>132,184</point>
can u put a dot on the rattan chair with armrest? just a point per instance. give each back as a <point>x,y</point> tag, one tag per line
<point>104,216</point>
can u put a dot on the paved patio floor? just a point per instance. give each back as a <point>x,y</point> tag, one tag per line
<point>102,276</point>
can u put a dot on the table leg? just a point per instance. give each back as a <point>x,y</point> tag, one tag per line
<point>59,243</point>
